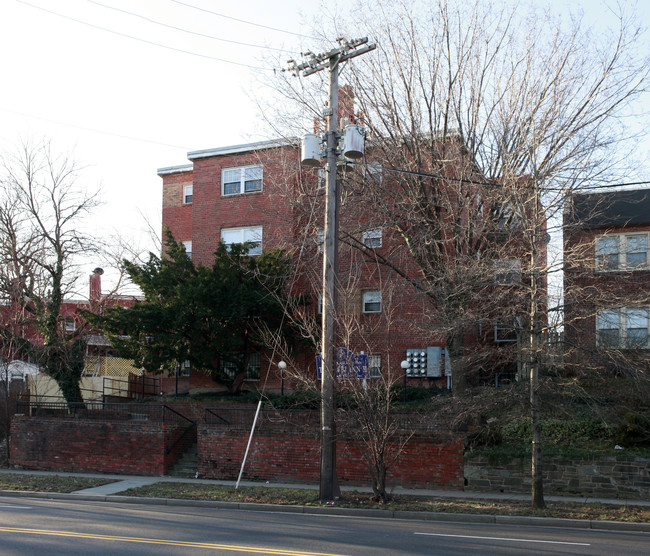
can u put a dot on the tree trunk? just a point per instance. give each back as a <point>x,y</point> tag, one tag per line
<point>455,343</point>
<point>71,391</point>
<point>537,484</point>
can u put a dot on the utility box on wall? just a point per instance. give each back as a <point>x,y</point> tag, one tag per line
<point>432,362</point>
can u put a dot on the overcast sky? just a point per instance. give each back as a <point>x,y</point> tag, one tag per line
<point>128,95</point>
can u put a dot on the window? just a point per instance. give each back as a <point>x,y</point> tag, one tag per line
<point>623,328</point>
<point>636,330</point>
<point>505,331</point>
<point>607,253</point>
<point>251,235</point>
<point>229,365</point>
<point>185,368</point>
<point>508,218</point>
<point>188,248</point>
<point>187,194</point>
<point>372,238</point>
<point>245,179</point>
<point>374,365</point>
<point>70,325</point>
<point>622,252</point>
<point>507,271</point>
<point>607,324</point>
<point>372,302</point>
<point>636,251</point>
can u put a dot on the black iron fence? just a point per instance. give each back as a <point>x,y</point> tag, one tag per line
<point>243,418</point>
<point>157,413</point>
<point>310,419</point>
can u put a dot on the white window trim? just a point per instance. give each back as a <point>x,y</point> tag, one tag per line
<point>622,240</point>
<point>622,321</point>
<point>367,298</point>
<point>188,191</point>
<point>244,231</point>
<point>69,324</point>
<point>242,179</point>
<point>373,238</point>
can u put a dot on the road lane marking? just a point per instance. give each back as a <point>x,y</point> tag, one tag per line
<point>503,539</point>
<point>15,507</point>
<point>169,542</point>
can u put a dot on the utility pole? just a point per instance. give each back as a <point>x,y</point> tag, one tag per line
<point>329,488</point>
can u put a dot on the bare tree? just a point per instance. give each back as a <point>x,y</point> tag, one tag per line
<point>484,120</point>
<point>41,242</point>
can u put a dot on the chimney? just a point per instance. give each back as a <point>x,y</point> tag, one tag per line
<point>346,105</point>
<point>96,286</point>
<point>346,110</point>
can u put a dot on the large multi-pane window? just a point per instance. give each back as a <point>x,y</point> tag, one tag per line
<point>243,179</point>
<point>622,252</point>
<point>623,328</point>
<point>249,234</point>
<point>230,365</point>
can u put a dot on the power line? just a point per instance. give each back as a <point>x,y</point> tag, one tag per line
<point>212,37</point>
<point>244,21</point>
<point>491,184</point>
<point>143,40</point>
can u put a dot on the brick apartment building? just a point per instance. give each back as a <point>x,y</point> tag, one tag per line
<point>607,280</point>
<point>248,193</point>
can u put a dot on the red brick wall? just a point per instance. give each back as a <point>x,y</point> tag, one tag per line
<point>294,457</point>
<point>134,448</point>
<point>586,290</point>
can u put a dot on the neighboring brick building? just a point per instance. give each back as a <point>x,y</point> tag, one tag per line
<point>607,280</point>
<point>100,357</point>
<point>241,193</point>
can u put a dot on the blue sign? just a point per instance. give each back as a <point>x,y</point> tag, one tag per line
<point>348,364</point>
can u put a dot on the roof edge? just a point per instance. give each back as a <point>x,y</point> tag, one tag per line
<point>234,149</point>
<point>175,169</point>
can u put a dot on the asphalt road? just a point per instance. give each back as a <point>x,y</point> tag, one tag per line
<point>61,527</point>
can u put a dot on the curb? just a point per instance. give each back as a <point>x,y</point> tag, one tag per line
<point>333,510</point>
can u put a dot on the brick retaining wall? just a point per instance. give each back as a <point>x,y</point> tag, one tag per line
<point>295,457</point>
<point>610,477</point>
<point>79,445</point>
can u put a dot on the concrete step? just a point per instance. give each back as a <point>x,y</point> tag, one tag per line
<point>187,465</point>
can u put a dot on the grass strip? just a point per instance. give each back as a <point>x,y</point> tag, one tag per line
<point>49,483</point>
<point>307,497</point>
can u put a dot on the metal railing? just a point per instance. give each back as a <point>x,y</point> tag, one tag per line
<point>132,387</point>
<point>157,413</point>
<point>310,419</point>
<point>243,418</point>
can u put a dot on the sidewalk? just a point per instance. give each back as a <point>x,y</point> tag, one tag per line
<point>123,482</point>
